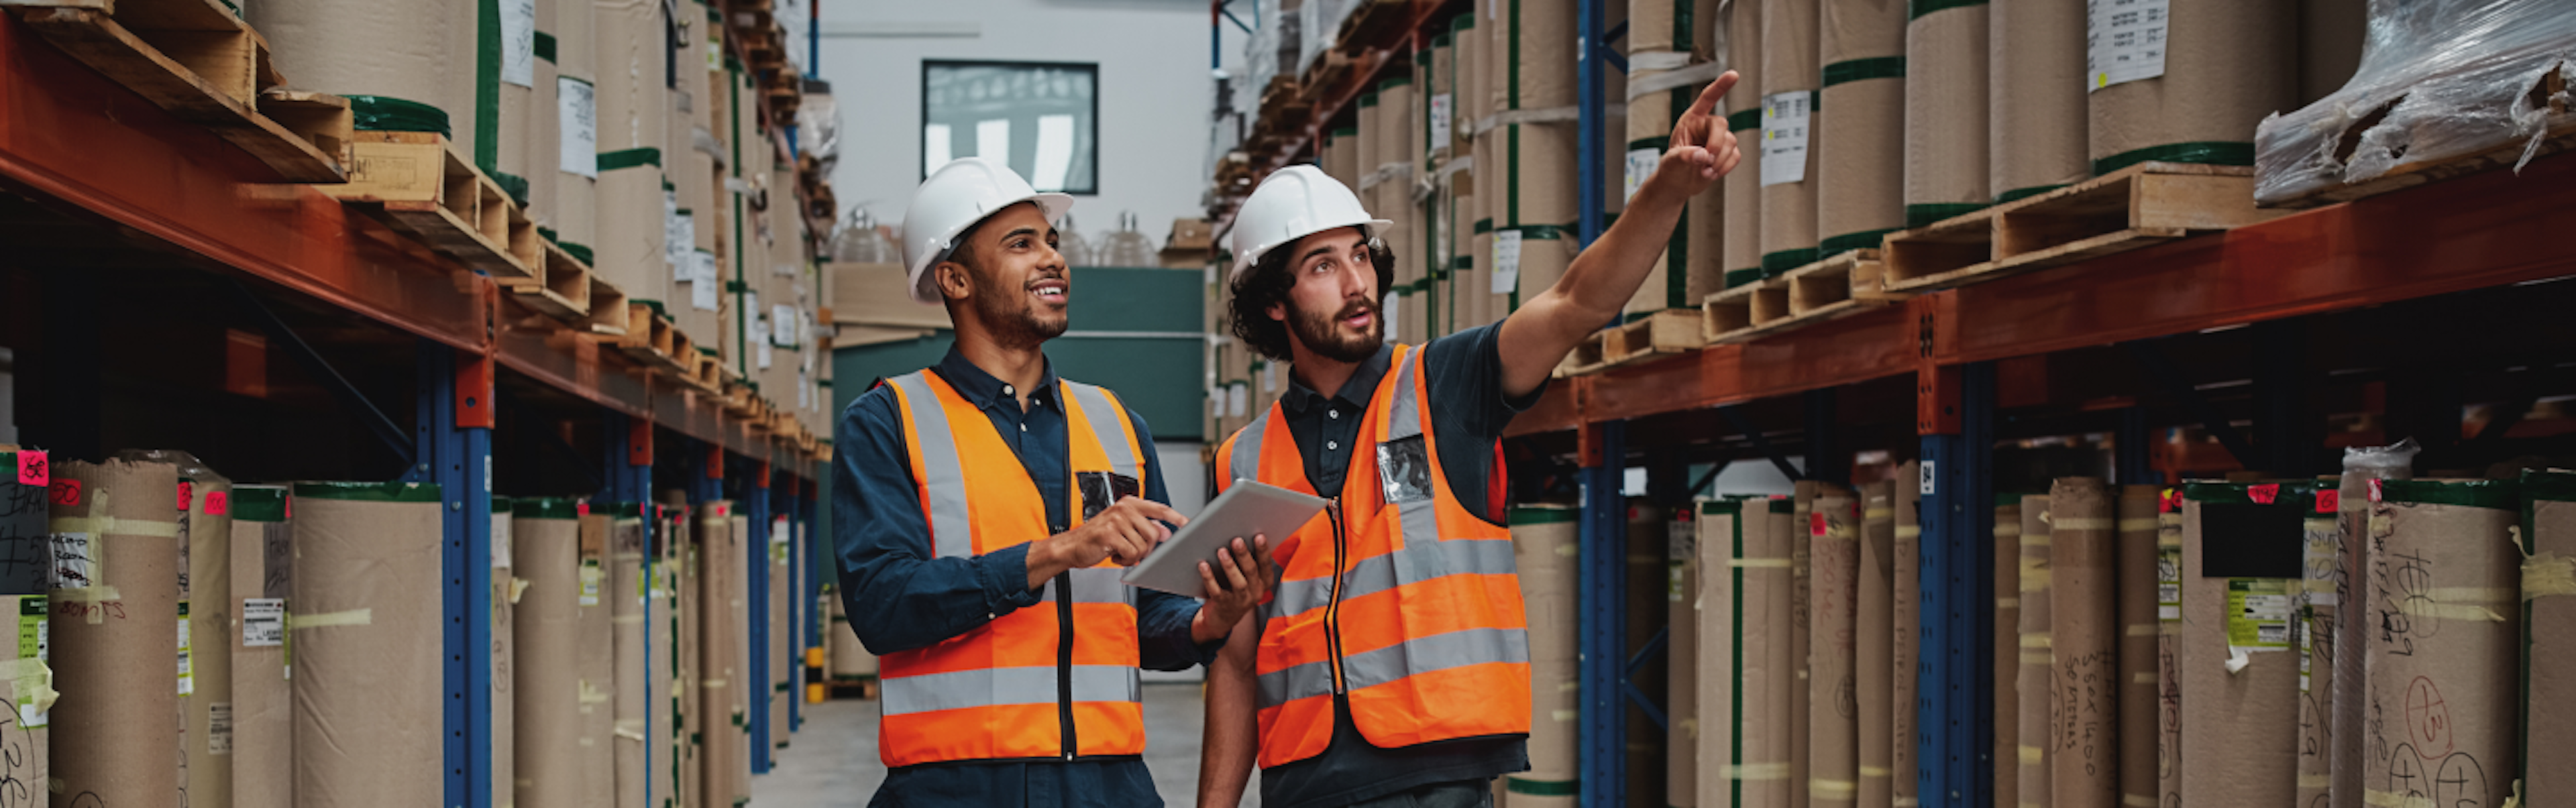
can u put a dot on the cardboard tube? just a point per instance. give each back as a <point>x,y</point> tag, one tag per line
<point>546,552</point>
<point>2036,118</point>
<point>115,726</point>
<point>595,682</point>
<point>540,121</point>
<point>688,605</point>
<point>2228,63</point>
<point>1833,756</point>
<point>782,671</point>
<point>2134,566</point>
<point>2239,706</point>
<point>1802,656</point>
<point>1789,65</point>
<point>208,741</point>
<point>1741,259</point>
<point>723,666</point>
<point>631,586</point>
<point>2086,633</point>
<point>1860,193</point>
<point>1946,170</point>
<point>570,202</point>
<point>1682,685</point>
<point>2036,656</point>
<point>1745,619</point>
<point>263,582</point>
<point>1717,694</point>
<point>370,549</point>
<point>2007,655</point>
<point>1649,549</point>
<point>425,52</point>
<point>1875,646</point>
<point>2443,582</point>
<point>1907,601</point>
<point>634,147</point>
<point>2550,657</point>
<point>1543,545</point>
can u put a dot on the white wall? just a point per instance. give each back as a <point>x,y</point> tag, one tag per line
<point>1156,93</point>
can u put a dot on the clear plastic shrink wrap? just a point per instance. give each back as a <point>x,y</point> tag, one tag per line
<point>2439,79</point>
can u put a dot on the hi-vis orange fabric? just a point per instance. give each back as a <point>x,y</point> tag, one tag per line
<point>999,692</point>
<point>1397,596</point>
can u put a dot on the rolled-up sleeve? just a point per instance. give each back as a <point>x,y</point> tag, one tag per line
<point>1163,619</point>
<point>900,596</point>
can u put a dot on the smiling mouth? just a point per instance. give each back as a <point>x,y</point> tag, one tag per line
<point>1052,291</point>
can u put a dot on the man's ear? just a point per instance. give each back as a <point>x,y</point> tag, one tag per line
<point>954,282</point>
<point>1278,310</point>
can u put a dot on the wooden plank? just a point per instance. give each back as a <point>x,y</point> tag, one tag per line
<point>419,184</point>
<point>1666,332</point>
<point>2138,206</point>
<point>203,77</point>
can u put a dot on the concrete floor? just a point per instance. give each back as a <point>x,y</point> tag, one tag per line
<point>832,762</point>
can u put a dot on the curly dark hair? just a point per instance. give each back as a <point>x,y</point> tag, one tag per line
<point>1269,280</point>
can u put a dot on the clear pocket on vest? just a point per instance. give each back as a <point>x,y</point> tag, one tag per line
<point>1101,489</point>
<point>1404,470</point>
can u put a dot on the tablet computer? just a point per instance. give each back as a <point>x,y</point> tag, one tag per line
<point>1245,509</point>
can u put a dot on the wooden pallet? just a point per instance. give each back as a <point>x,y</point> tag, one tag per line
<point>649,338</point>
<point>417,183</point>
<point>609,315</point>
<point>1587,358</point>
<point>1662,333</point>
<point>560,289</point>
<point>1329,70</point>
<point>2139,206</point>
<point>200,62</point>
<point>1731,314</point>
<point>1831,289</point>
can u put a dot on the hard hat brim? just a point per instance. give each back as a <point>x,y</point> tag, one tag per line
<point>1243,263</point>
<point>1052,205</point>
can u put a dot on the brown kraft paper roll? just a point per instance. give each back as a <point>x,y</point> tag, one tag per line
<point>2548,582</point>
<point>1861,191</point>
<point>630,586</point>
<point>1907,601</point>
<point>208,740</point>
<point>1833,756</point>
<point>1649,125</point>
<point>688,722</point>
<point>1802,606</point>
<point>546,552</point>
<point>423,52</point>
<point>633,114</point>
<point>2135,568</point>
<point>366,651</point>
<point>540,124</point>
<point>1543,547</point>
<point>2036,122</point>
<point>2321,564</point>
<point>2169,648</point>
<point>2007,686</point>
<point>503,725</point>
<point>1875,645</point>
<point>1741,248</point>
<point>2228,63</point>
<point>1945,114</point>
<point>1707,593</point>
<point>783,662</point>
<point>2085,633</point>
<point>2443,674</point>
<point>594,662</point>
<point>109,638</point>
<point>2352,522</point>
<point>724,667</point>
<point>569,203</point>
<point>1649,550</point>
<point>2239,727</point>
<point>1789,43</point>
<point>263,553</point>
<point>1744,757</point>
<point>2038,659</point>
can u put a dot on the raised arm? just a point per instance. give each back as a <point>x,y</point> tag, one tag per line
<point>1602,278</point>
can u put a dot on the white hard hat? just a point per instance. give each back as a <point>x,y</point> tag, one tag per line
<point>1293,203</point>
<point>956,197</point>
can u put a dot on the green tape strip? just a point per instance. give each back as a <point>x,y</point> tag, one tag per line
<point>1544,516</point>
<point>1712,507</point>
<point>580,252</point>
<point>1484,226</point>
<point>369,492</point>
<point>2502,495</point>
<point>501,505</point>
<point>1543,788</point>
<point>383,113</point>
<point>1929,214</point>
<point>514,185</point>
<point>545,508</point>
<point>1462,262</point>
<point>1745,120</point>
<point>259,503</point>
<point>1917,8</point>
<point>1778,262</point>
<point>545,46</point>
<point>1880,67</point>
<point>1864,240</point>
<point>1541,232</point>
<point>1463,22</point>
<point>2220,153</point>
<point>2552,486</point>
<point>655,305</point>
<point>1741,277</point>
<point>487,84</point>
<point>2019,194</point>
<point>630,158</point>
<point>1368,100</point>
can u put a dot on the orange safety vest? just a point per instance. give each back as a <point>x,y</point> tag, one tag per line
<point>1397,596</point>
<point>1009,688</point>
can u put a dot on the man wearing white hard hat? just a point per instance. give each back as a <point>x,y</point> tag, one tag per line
<point>1390,665</point>
<point>983,508</point>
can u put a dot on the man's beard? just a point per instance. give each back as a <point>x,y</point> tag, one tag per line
<point>1324,337</point>
<point>1020,327</point>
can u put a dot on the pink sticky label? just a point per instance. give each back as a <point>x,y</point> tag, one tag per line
<point>186,492</point>
<point>2374,490</point>
<point>2329,501</point>
<point>32,468</point>
<point>2264,494</point>
<point>720,510</point>
<point>582,508</point>
<point>290,507</point>
<point>218,503</point>
<point>65,492</point>
<point>1816,523</point>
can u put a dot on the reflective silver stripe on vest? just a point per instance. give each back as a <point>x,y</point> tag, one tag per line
<point>1247,449</point>
<point>1404,420</point>
<point>1418,561</point>
<point>1105,428</point>
<point>1476,646</point>
<point>995,687</point>
<point>1096,585</point>
<point>951,533</point>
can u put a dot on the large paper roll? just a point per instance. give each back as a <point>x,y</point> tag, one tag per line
<point>2239,681</point>
<point>115,552</point>
<point>2035,116</point>
<point>569,201</point>
<point>2085,636</point>
<point>367,654</point>
<point>1398,151</point>
<point>426,52</point>
<point>546,552</point>
<point>2362,467</point>
<point>1802,610</point>
<point>639,711</point>
<point>1682,683</point>
<point>503,725</point>
<point>1833,750</point>
<point>2169,528</point>
<point>1544,540</point>
<point>1790,77</point>
<point>783,662</point>
<point>633,114</point>
<point>1744,653</point>
<point>206,741</point>
<point>2135,566</point>
<point>1649,543</point>
<point>26,695</point>
<point>1742,245</point>
<point>594,666</point>
<point>2444,672</point>
<point>1945,114</point>
<point>1908,605</point>
<point>688,604</point>
<point>2227,64</point>
<point>2317,609</point>
<point>2007,652</point>
<point>263,581</point>
<point>1860,193</point>
<point>1874,646</point>
<point>1649,133</point>
<point>724,666</point>
<point>2038,658</point>
<point>2549,583</point>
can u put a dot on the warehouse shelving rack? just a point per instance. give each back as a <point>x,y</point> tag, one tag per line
<point>123,195</point>
<point>2094,347</point>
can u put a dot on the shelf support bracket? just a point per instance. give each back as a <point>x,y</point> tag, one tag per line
<point>1955,744</point>
<point>1601,601</point>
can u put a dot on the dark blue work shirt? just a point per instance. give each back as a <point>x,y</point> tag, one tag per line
<point>901,597</point>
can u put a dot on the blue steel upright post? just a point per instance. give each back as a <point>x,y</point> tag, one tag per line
<point>1602,630</point>
<point>798,604</point>
<point>1955,748</point>
<point>453,432</point>
<point>755,509</point>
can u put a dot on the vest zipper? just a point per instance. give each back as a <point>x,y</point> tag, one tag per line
<point>1064,662</point>
<point>1333,605</point>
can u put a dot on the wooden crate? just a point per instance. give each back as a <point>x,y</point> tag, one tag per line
<point>1662,333</point>
<point>417,183</point>
<point>202,63</point>
<point>2139,206</point>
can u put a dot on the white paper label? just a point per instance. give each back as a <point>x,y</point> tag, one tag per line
<point>778,531</point>
<point>2124,41</point>
<point>500,538</point>
<point>263,622</point>
<point>28,716</point>
<point>761,352</point>
<point>1641,164</point>
<point>1784,136</point>
<point>804,391</point>
<point>72,567</point>
<point>1270,378</point>
<point>715,49</point>
<point>519,42</point>
<point>589,583</point>
<point>1216,402</point>
<point>703,289</point>
<point>1927,487</point>
<point>782,325</point>
<point>187,670</point>
<point>219,728</point>
<point>577,119</point>
<point>1440,114</point>
<point>1393,309</point>
<point>1507,262</point>
<point>679,237</point>
<point>1237,400</point>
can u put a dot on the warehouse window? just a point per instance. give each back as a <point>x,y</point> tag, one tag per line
<point>1040,117</point>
